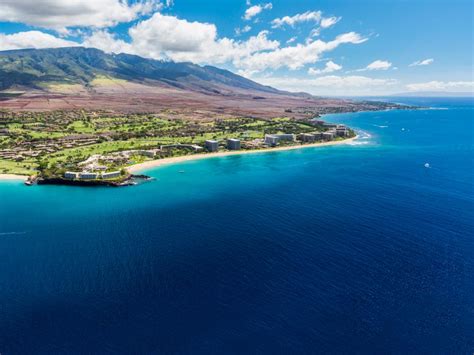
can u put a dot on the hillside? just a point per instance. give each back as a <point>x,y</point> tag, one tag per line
<point>76,65</point>
<point>86,78</point>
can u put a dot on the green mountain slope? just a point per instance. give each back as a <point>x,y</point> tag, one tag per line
<point>77,65</point>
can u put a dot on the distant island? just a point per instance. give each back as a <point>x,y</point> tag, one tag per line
<point>79,116</point>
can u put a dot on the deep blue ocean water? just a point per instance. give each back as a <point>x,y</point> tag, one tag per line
<point>350,249</point>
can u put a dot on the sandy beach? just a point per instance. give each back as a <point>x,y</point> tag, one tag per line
<point>13,177</point>
<point>166,161</point>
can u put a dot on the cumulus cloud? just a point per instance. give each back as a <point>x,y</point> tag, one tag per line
<point>254,10</point>
<point>180,40</point>
<point>32,39</point>
<point>422,62</point>
<point>308,16</point>
<point>329,68</point>
<point>377,65</point>
<point>331,84</point>
<point>296,57</point>
<point>107,42</point>
<point>168,37</point>
<point>447,86</point>
<point>60,15</point>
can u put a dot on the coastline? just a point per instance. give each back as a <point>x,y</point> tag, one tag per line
<point>7,177</point>
<point>174,160</point>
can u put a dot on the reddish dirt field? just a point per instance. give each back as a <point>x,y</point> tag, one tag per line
<point>141,98</point>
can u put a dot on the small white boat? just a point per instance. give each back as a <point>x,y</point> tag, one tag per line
<point>427,165</point>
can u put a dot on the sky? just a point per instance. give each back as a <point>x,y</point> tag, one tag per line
<point>328,47</point>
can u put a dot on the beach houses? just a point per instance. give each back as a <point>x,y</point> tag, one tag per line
<point>212,145</point>
<point>233,144</point>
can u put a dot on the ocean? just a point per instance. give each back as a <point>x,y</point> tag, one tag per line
<point>364,248</point>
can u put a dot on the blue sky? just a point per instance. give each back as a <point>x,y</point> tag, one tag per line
<point>324,47</point>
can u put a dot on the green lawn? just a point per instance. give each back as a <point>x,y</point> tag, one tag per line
<point>20,168</point>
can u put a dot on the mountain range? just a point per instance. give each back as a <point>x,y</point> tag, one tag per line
<point>77,77</point>
<point>35,68</point>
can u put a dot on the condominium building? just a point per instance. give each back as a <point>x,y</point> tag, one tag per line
<point>71,175</point>
<point>233,144</point>
<point>111,175</point>
<point>212,145</point>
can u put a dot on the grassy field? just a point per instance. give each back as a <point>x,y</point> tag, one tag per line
<point>61,140</point>
<point>20,168</point>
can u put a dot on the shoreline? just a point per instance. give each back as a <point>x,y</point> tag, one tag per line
<point>10,177</point>
<point>174,160</point>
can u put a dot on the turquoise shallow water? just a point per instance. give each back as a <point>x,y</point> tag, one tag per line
<point>349,249</point>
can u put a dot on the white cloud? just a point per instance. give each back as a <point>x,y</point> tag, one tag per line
<point>448,86</point>
<point>422,62</point>
<point>239,31</point>
<point>329,68</point>
<point>32,39</point>
<point>180,40</point>
<point>163,37</point>
<point>107,42</point>
<point>327,22</point>
<point>332,84</point>
<point>308,16</point>
<point>254,10</point>
<point>377,65</point>
<point>295,57</point>
<point>291,40</point>
<point>60,14</point>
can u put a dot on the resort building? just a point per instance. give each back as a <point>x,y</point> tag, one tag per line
<point>212,146</point>
<point>70,175</point>
<point>285,137</point>
<point>328,136</point>
<point>88,176</point>
<point>111,175</point>
<point>271,140</point>
<point>233,144</point>
<point>193,147</point>
<point>342,131</point>
<point>147,153</point>
<point>307,137</point>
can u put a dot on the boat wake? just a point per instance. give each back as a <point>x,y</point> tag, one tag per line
<point>11,233</point>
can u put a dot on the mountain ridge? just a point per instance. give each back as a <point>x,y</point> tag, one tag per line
<point>74,78</point>
<point>78,65</point>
